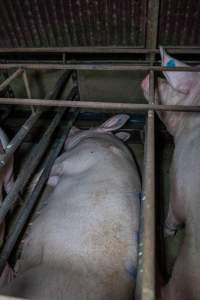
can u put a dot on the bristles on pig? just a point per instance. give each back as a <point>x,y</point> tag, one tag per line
<point>182,88</point>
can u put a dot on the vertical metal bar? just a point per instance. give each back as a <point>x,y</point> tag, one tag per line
<point>32,198</point>
<point>27,87</point>
<point>17,73</point>
<point>75,79</point>
<point>26,84</point>
<point>148,238</point>
<point>152,26</point>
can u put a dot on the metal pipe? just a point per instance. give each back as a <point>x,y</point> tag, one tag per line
<point>31,164</point>
<point>98,66</point>
<point>152,26</point>
<point>104,50</point>
<point>27,87</point>
<point>101,105</point>
<point>148,211</point>
<point>26,84</point>
<point>30,122</point>
<point>6,82</point>
<point>32,198</point>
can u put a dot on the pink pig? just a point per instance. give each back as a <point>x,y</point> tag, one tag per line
<point>182,88</point>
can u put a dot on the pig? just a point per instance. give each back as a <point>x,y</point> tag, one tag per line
<point>83,245</point>
<point>182,88</point>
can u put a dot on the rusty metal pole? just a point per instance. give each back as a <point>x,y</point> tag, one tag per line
<point>101,105</point>
<point>6,82</point>
<point>148,203</point>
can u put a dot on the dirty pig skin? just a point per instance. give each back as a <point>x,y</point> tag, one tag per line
<point>84,243</point>
<point>182,88</point>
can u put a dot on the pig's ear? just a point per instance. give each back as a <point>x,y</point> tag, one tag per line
<point>113,123</point>
<point>180,81</point>
<point>122,135</point>
<point>73,131</point>
<point>53,181</point>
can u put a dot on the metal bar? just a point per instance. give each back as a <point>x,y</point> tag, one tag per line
<point>26,84</point>
<point>30,122</point>
<point>148,211</point>
<point>170,49</point>
<point>31,163</point>
<point>4,84</point>
<point>100,105</point>
<point>98,66</point>
<point>27,87</point>
<point>152,26</point>
<point>31,199</point>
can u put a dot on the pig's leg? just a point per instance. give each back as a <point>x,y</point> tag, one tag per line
<point>7,276</point>
<point>175,216</point>
<point>171,222</point>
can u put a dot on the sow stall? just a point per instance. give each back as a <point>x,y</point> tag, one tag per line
<point>21,57</point>
<point>146,270</point>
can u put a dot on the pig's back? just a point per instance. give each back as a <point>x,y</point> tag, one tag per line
<point>91,222</point>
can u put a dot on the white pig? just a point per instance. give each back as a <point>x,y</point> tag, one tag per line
<point>182,88</point>
<point>84,243</point>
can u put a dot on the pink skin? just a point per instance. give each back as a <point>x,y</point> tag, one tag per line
<point>83,245</point>
<point>184,207</point>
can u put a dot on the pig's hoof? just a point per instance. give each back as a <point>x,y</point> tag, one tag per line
<point>169,230</point>
<point>7,275</point>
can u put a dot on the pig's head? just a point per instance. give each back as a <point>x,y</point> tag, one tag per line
<point>109,127</point>
<point>181,88</point>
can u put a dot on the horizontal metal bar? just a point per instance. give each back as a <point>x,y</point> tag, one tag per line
<point>181,50</point>
<point>31,199</point>
<point>100,105</point>
<point>30,164</point>
<point>98,66</point>
<point>31,121</point>
<point>17,73</point>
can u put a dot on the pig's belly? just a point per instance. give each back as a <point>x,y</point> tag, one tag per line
<point>87,228</point>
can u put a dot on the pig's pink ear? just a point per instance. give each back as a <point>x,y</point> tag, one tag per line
<point>113,123</point>
<point>73,131</point>
<point>180,81</point>
<point>122,135</point>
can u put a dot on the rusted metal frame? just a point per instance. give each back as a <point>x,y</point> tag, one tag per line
<point>98,66</point>
<point>104,50</point>
<point>31,199</point>
<point>31,163</point>
<point>147,241</point>
<point>6,82</point>
<point>30,122</point>
<point>100,105</point>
